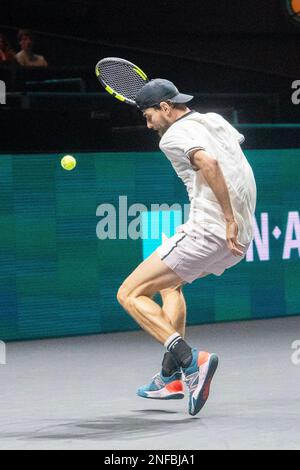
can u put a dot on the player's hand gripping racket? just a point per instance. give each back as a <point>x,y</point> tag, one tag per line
<point>121,78</point>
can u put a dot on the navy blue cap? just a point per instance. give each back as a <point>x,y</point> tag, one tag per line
<point>158,90</point>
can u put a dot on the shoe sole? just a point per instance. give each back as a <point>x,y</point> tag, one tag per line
<point>176,396</point>
<point>204,392</point>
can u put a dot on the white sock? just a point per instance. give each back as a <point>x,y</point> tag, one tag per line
<point>171,340</point>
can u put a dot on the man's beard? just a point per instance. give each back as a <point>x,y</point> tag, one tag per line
<point>163,130</point>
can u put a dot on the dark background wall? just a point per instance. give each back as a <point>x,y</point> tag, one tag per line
<point>96,18</point>
<point>220,50</point>
<point>255,34</point>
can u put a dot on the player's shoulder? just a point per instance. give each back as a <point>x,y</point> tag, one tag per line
<point>214,117</point>
<point>179,129</point>
<point>172,137</point>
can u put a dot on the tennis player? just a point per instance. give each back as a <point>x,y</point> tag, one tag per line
<point>205,152</point>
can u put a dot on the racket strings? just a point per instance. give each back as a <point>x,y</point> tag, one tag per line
<point>122,78</point>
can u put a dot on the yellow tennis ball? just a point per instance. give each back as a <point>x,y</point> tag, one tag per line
<point>68,162</point>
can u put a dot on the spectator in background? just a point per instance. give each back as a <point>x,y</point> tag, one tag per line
<point>6,53</point>
<point>26,57</point>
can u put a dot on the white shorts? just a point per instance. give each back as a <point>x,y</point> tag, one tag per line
<point>191,257</point>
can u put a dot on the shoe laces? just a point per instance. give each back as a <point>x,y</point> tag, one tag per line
<point>158,381</point>
<point>192,381</point>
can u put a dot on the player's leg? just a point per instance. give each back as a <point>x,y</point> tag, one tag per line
<point>168,384</point>
<point>175,307</point>
<point>135,295</point>
<point>174,304</point>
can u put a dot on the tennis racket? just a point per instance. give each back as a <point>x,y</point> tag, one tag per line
<point>121,78</point>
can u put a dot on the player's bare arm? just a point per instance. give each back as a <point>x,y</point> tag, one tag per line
<point>212,172</point>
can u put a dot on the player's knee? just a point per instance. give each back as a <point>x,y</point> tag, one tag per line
<point>122,295</point>
<point>131,303</point>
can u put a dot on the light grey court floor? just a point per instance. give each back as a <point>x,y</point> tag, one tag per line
<point>79,393</point>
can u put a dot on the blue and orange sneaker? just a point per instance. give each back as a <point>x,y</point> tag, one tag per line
<point>163,388</point>
<point>198,377</point>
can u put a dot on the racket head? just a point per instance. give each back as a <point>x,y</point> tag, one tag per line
<point>121,78</point>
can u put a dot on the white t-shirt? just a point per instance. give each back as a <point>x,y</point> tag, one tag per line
<point>211,132</point>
